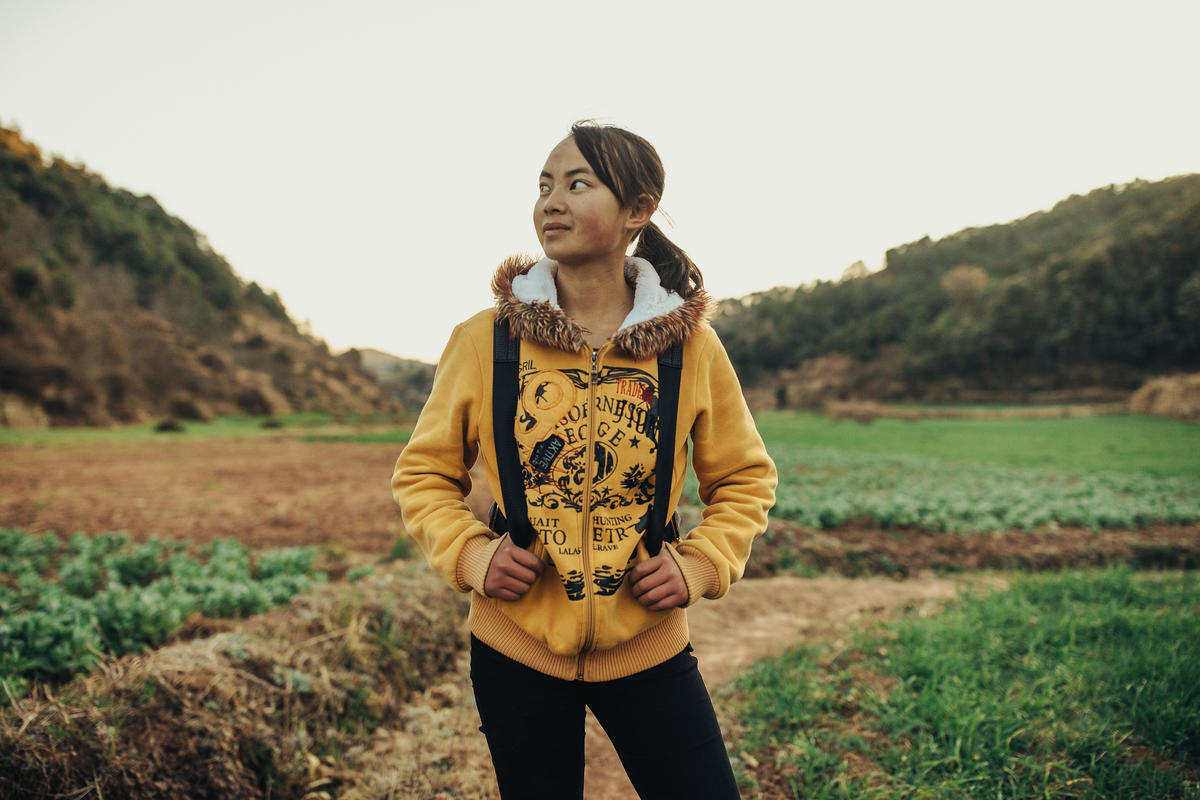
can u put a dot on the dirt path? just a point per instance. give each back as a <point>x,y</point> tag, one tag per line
<point>438,752</point>
<point>760,618</point>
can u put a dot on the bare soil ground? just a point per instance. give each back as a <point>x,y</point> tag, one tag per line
<point>274,492</point>
<point>266,492</point>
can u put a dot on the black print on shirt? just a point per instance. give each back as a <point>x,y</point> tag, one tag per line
<point>554,414</point>
<point>562,438</point>
<point>573,583</point>
<point>608,579</point>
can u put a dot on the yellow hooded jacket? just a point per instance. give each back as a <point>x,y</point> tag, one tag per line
<point>587,447</point>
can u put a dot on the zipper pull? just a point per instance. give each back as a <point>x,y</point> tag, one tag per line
<point>595,356</point>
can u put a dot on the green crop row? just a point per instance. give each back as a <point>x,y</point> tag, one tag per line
<point>827,488</point>
<point>65,603</point>
<point>1075,685</point>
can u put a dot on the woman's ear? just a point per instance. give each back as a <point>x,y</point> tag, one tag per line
<point>641,211</point>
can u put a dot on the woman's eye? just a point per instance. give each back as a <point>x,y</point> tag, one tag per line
<point>578,184</point>
<point>543,189</point>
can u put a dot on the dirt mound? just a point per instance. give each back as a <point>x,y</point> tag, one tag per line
<point>832,377</point>
<point>275,707</point>
<point>1176,397</point>
<point>856,551</point>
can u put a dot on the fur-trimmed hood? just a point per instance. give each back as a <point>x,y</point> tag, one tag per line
<point>527,297</point>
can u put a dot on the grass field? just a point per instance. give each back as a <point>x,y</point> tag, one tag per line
<point>1080,685</point>
<point>968,475</point>
<point>1129,443</point>
<point>310,426</point>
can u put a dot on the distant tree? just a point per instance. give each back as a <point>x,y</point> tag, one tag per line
<point>854,272</point>
<point>965,284</point>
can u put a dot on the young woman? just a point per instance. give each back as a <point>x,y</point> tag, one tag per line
<point>587,615</point>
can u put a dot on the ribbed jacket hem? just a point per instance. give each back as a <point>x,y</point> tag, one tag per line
<point>649,648</point>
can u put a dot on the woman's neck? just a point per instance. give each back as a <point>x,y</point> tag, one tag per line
<point>596,296</point>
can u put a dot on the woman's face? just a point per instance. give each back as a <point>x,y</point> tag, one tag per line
<point>578,219</point>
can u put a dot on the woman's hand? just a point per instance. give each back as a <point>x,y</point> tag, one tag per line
<point>658,583</point>
<point>512,571</point>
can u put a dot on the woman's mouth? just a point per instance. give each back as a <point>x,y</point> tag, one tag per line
<point>553,227</point>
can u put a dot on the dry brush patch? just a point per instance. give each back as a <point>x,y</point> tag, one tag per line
<point>1175,397</point>
<point>280,706</point>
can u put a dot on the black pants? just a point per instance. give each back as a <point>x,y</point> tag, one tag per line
<point>660,720</point>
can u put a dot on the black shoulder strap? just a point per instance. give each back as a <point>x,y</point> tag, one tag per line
<point>670,368</point>
<point>506,352</point>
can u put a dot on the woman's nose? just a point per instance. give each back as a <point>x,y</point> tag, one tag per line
<point>554,201</point>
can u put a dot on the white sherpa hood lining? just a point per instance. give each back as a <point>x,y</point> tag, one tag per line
<point>650,299</point>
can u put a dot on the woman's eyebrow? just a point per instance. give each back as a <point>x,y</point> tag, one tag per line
<point>568,173</point>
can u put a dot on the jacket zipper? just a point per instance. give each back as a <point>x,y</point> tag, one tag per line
<point>585,539</point>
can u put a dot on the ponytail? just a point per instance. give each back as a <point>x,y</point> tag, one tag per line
<point>676,271</point>
<point>629,166</point>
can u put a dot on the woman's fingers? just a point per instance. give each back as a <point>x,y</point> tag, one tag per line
<point>664,596</point>
<point>651,580</point>
<point>527,559</point>
<point>512,571</point>
<point>658,584</point>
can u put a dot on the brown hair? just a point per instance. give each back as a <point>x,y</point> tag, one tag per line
<point>629,166</point>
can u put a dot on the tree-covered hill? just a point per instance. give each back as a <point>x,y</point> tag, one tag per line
<point>1088,298</point>
<point>112,310</point>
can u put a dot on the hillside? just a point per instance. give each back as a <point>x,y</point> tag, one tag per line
<point>1084,301</point>
<point>405,379</point>
<point>114,311</point>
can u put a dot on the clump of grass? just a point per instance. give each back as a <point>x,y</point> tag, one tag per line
<point>1074,685</point>
<point>402,548</point>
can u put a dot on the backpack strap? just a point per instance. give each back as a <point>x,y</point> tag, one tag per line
<point>670,369</point>
<point>506,353</point>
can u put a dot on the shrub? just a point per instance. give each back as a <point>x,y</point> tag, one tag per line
<point>27,280</point>
<point>401,548</point>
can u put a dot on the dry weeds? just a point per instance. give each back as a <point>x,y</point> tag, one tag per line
<point>282,705</point>
<point>1177,397</point>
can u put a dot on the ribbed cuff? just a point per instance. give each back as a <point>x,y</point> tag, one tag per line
<point>699,573</point>
<point>474,560</point>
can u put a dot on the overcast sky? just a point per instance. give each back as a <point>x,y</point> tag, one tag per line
<point>372,162</point>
